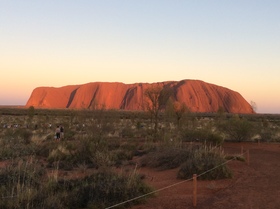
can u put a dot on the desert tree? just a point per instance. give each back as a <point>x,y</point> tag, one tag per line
<point>175,111</point>
<point>31,112</point>
<point>169,112</point>
<point>152,95</point>
<point>254,106</point>
<point>179,110</point>
<point>220,116</point>
<point>156,99</point>
<point>237,128</point>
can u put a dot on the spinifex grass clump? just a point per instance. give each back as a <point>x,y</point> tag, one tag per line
<point>92,151</point>
<point>16,143</point>
<point>167,157</point>
<point>202,135</point>
<point>101,190</point>
<point>25,185</point>
<point>193,159</point>
<point>20,183</point>
<point>209,162</point>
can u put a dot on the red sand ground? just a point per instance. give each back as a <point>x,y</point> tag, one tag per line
<point>254,186</point>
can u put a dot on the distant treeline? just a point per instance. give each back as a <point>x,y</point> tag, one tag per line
<point>123,114</point>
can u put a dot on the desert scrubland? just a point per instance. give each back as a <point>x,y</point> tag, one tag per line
<point>107,157</point>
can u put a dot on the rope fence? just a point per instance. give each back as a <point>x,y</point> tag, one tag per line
<point>194,178</point>
<point>153,192</point>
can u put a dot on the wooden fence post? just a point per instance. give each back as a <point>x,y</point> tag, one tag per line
<point>194,190</point>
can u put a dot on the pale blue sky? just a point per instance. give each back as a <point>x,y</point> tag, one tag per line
<point>234,44</point>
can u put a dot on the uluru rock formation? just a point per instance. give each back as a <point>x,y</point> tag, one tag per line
<point>198,96</point>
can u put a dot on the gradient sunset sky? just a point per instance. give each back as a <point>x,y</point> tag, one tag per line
<point>235,44</point>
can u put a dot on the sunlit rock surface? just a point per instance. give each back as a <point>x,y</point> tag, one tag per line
<point>198,96</point>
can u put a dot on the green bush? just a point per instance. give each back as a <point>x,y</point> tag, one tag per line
<point>214,139</point>
<point>90,151</point>
<point>191,160</point>
<point>202,162</point>
<point>237,129</point>
<point>167,157</point>
<point>122,155</point>
<point>202,135</point>
<point>194,135</point>
<point>268,132</point>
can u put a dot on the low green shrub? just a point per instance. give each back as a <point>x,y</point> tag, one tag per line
<point>194,135</point>
<point>214,139</point>
<point>24,185</point>
<point>202,135</point>
<point>209,163</point>
<point>87,151</point>
<point>167,157</point>
<point>16,144</point>
<point>193,159</point>
<point>102,189</point>
<point>237,128</point>
<point>122,155</point>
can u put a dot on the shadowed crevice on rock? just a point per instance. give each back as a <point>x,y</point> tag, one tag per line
<point>72,95</point>
<point>128,97</point>
<point>93,104</point>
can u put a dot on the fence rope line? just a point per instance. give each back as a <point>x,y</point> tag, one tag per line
<point>172,185</point>
<point>144,195</point>
<point>164,188</point>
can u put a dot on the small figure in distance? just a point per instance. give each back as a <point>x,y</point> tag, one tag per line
<point>57,133</point>
<point>61,132</point>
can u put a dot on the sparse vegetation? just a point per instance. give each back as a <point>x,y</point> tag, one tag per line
<point>166,157</point>
<point>236,128</point>
<point>191,160</point>
<point>24,184</point>
<point>100,150</point>
<point>210,163</point>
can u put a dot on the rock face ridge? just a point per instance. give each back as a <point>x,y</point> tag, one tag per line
<point>198,96</point>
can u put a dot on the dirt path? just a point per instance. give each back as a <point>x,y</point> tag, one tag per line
<point>256,186</point>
